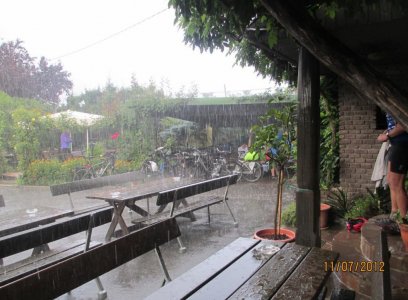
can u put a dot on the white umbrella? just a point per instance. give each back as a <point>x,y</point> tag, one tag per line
<point>80,118</point>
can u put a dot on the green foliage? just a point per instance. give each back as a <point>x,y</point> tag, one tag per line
<point>47,172</point>
<point>383,199</point>
<point>123,166</point>
<point>339,201</point>
<point>245,28</point>
<point>22,76</point>
<point>329,136</point>
<point>280,134</point>
<point>399,219</point>
<point>364,206</point>
<point>289,215</point>
<point>27,125</point>
<point>43,172</point>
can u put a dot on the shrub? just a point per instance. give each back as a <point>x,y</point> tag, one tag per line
<point>123,166</point>
<point>289,215</point>
<point>69,166</point>
<point>339,202</point>
<point>364,206</point>
<point>52,171</point>
<point>42,172</point>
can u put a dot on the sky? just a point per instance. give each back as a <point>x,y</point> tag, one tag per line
<point>103,40</point>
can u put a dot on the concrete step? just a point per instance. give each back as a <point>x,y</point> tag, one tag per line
<point>358,247</point>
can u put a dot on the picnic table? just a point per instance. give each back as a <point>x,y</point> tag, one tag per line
<point>128,194</point>
<point>16,220</point>
<point>253,269</point>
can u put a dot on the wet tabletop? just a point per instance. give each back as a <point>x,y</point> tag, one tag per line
<point>137,190</point>
<point>15,220</point>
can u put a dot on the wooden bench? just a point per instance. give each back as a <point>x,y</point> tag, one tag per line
<point>253,269</point>
<point>71,273</point>
<point>38,239</point>
<point>87,184</point>
<point>178,196</point>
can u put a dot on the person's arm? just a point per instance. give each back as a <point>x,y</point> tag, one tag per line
<point>397,130</point>
<point>386,135</point>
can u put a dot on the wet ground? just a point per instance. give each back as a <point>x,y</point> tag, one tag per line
<point>252,205</point>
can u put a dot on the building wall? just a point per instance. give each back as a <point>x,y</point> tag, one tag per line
<point>358,145</point>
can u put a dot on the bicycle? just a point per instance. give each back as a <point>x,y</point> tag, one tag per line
<point>162,162</point>
<point>224,166</point>
<point>94,170</point>
<point>202,166</point>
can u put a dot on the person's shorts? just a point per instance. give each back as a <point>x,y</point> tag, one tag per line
<point>398,158</point>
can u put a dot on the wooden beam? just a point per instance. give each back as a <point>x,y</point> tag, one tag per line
<point>339,58</point>
<point>308,154</point>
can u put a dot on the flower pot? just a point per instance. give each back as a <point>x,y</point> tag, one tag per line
<point>404,234</point>
<point>324,216</point>
<point>267,234</point>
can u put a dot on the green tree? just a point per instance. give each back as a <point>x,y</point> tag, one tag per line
<point>279,135</point>
<point>20,76</point>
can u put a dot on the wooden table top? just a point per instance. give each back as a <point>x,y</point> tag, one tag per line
<point>15,220</point>
<point>138,190</point>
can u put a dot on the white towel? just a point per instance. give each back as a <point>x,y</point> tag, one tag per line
<point>380,166</point>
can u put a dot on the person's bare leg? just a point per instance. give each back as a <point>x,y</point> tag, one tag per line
<point>399,199</point>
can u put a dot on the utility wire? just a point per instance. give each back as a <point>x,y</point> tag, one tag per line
<point>111,36</point>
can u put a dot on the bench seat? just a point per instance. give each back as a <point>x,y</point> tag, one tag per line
<point>253,269</point>
<point>41,261</point>
<point>176,196</point>
<point>180,211</point>
<point>192,280</point>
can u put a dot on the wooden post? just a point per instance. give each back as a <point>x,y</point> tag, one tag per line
<point>308,154</point>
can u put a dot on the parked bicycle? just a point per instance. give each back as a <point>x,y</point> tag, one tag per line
<point>202,166</point>
<point>162,162</point>
<point>223,165</point>
<point>93,169</point>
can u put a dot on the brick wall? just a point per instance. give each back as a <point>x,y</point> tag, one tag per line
<point>358,146</point>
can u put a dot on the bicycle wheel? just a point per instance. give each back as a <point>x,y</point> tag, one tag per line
<point>233,168</point>
<point>252,171</point>
<point>200,172</point>
<point>81,174</point>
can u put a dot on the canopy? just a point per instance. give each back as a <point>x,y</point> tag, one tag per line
<point>80,118</point>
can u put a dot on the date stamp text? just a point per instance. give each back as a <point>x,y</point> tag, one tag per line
<point>354,266</point>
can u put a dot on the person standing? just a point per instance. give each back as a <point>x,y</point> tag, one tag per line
<point>66,143</point>
<point>397,165</point>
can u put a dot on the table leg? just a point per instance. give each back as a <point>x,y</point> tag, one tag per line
<point>117,218</point>
<point>190,214</point>
<point>138,210</point>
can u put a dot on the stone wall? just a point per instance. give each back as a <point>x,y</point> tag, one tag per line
<point>358,146</point>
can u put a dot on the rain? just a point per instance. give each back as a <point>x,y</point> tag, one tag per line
<point>129,141</point>
<point>160,150</point>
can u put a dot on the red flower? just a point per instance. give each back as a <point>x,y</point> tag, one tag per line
<point>115,135</point>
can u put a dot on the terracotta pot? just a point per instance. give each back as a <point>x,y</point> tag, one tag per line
<point>264,234</point>
<point>404,234</point>
<point>324,216</point>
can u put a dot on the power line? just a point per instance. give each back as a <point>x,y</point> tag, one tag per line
<point>111,36</point>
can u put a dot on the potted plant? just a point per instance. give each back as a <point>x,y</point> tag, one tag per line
<point>403,226</point>
<point>279,139</point>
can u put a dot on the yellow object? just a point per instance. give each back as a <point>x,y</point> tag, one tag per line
<point>251,156</point>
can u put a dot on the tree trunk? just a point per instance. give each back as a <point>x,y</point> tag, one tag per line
<point>338,58</point>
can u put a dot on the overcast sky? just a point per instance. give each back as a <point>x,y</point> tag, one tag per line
<point>71,31</point>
